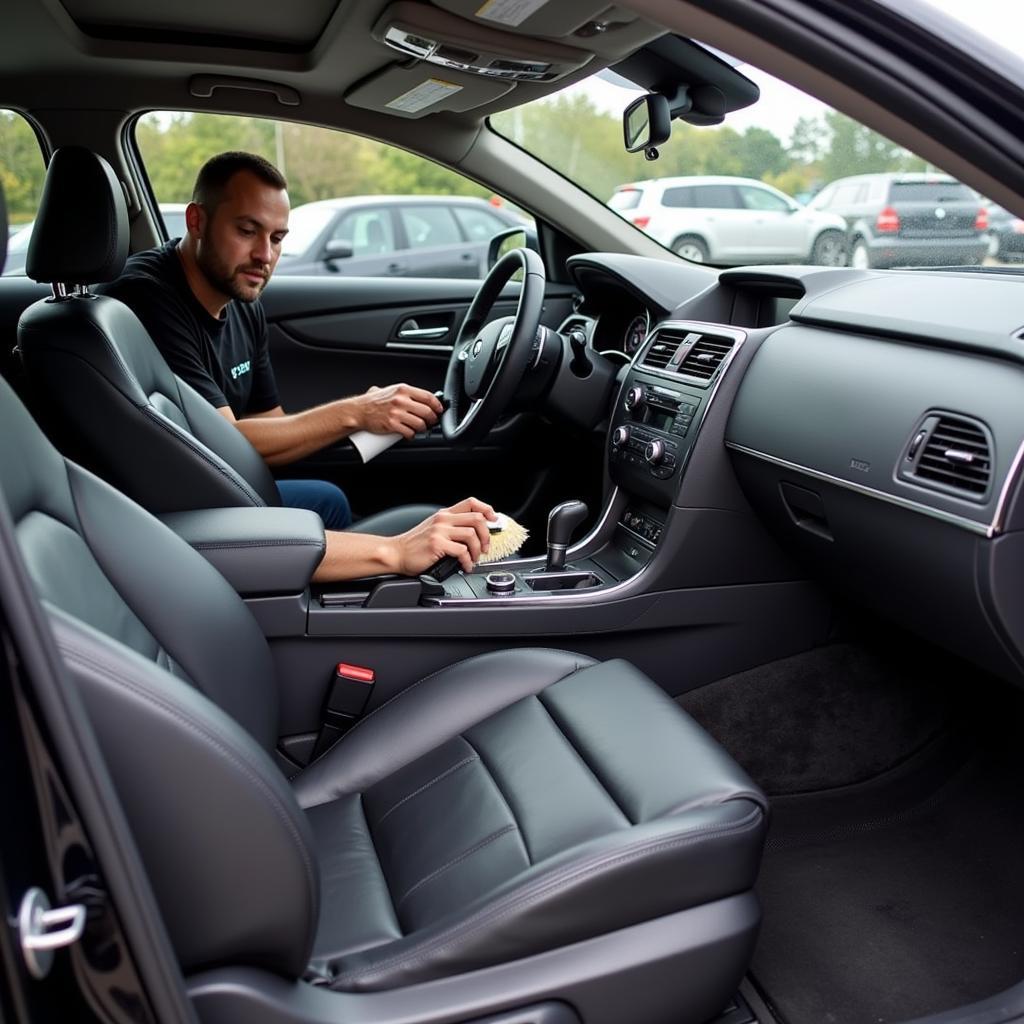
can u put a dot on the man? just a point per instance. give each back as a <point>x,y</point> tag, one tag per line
<point>199,299</point>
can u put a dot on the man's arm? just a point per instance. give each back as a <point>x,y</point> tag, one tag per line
<point>282,437</point>
<point>460,530</point>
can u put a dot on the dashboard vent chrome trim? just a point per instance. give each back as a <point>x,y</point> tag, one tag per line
<point>955,456</point>
<point>690,354</point>
<point>971,525</point>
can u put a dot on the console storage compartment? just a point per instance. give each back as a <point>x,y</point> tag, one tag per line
<point>258,550</point>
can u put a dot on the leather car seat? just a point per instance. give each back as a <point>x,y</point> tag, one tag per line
<point>526,827</point>
<point>105,384</point>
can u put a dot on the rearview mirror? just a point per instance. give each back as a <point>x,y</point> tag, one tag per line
<point>646,123</point>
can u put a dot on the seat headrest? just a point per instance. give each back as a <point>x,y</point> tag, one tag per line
<point>81,230</point>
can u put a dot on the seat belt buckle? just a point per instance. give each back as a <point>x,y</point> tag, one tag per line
<point>347,697</point>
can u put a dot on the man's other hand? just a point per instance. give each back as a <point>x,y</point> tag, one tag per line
<point>460,530</point>
<point>398,409</point>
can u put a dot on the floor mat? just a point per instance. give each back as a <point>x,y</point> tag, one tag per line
<point>895,899</point>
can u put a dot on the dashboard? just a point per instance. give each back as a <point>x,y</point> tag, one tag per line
<point>871,423</point>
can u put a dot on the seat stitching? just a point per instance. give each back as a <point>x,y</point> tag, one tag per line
<point>204,545</point>
<point>401,693</point>
<point>586,764</point>
<point>87,660</point>
<point>229,474</point>
<point>501,793</point>
<point>475,848</point>
<point>426,785</point>
<point>380,866</point>
<point>557,879</point>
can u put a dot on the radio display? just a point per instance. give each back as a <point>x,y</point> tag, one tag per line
<point>659,419</point>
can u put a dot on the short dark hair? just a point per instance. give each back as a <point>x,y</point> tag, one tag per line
<point>215,174</point>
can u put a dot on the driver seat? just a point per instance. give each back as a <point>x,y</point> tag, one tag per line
<point>104,387</point>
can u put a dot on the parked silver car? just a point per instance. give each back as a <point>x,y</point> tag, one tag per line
<point>726,220</point>
<point>393,236</point>
<point>908,219</point>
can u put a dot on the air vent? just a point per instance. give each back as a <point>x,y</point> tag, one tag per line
<point>663,349</point>
<point>953,454</point>
<point>705,356</point>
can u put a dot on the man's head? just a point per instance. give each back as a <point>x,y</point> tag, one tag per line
<point>236,222</point>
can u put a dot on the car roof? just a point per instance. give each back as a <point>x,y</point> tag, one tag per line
<point>324,61</point>
<point>903,177</point>
<point>692,179</point>
<point>345,202</point>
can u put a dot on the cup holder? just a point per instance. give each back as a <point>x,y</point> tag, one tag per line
<point>550,581</point>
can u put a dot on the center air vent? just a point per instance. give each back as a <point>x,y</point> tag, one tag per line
<point>705,356</point>
<point>689,353</point>
<point>663,349</point>
<point>950,453</point>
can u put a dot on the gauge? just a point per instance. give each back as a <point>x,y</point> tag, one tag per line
<point>635,334</point>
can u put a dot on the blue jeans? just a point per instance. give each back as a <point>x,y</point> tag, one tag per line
<point>319,496</point>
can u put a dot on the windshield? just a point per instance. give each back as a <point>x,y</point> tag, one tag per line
<point>784,180</point>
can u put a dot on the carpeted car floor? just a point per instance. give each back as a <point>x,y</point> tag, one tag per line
<point>893,878</point>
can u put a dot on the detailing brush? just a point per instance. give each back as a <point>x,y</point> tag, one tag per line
<point>507,537</point>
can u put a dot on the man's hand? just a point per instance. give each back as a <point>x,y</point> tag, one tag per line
<point>460,530</point>
<point>397,409</point>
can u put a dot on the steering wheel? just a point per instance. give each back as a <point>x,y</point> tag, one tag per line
<point>489,361</point>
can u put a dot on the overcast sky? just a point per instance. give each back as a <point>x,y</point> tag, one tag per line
<point>780,104</point>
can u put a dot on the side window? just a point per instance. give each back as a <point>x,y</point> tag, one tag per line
<point>22,171</point>
<point>369,232</point>
<point>715,197</point>
<point>762,199</point>
<point>823,200</point>
<point>427,226</point>
<point>478,225</point>
<point>678,197</point>
<point>375,182</point>
<point>847,194</point>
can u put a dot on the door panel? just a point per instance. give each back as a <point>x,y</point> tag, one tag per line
<point>336,337</point>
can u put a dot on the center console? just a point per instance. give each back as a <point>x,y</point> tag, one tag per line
<point>662,402</point>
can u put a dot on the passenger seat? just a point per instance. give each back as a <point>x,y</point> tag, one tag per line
<point>524,828</point>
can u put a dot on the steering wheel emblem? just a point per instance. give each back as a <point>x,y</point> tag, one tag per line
<point>477,348</point>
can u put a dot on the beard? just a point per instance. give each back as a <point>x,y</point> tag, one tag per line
<point>227,280</point>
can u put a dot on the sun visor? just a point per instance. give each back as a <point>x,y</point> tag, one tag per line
<point>474,46</point>
<point>421,90</point>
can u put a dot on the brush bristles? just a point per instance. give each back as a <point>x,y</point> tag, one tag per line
<point>506,541</point>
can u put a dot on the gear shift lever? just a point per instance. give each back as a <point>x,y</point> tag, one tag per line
<point>562,520</point>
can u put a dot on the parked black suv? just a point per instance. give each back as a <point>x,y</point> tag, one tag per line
<point>906,220</point>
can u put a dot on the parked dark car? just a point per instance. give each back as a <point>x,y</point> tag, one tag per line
<point>1005,234</point>
<point>399,236</point>
<point>907,220</point>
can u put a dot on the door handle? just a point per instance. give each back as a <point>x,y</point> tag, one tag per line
<point>468,256</point>
<point>421,333</point>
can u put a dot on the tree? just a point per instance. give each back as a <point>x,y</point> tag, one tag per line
<point>21,167</point>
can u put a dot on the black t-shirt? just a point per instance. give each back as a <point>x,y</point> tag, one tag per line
<point>226,360</point>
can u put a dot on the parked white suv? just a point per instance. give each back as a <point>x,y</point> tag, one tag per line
<point>726,220</point>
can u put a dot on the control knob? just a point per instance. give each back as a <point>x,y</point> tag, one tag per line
<point>500,582</point>
<point>654,452</point>
<point>620,435</point>
<point>634,397</point>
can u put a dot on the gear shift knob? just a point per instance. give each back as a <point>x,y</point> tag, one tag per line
<point>562,520</point>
